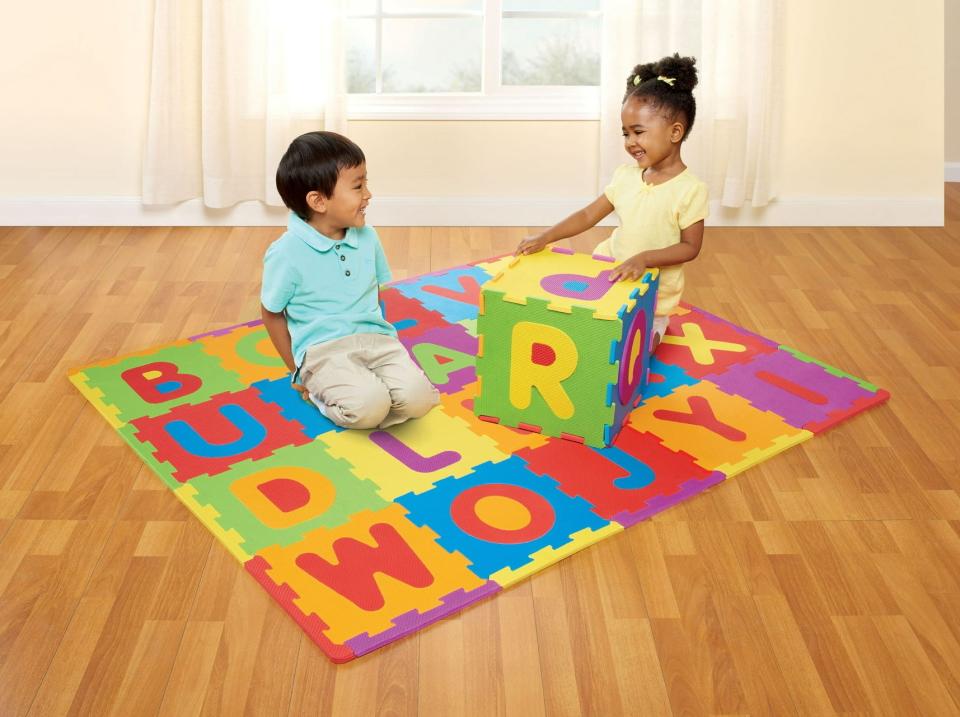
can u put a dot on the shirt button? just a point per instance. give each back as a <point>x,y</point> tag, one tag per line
<point>347,272</point>
<point>336,246</point>
<point>343,258</point>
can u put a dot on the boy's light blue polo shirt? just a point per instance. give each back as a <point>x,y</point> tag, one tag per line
<point>328,289</point>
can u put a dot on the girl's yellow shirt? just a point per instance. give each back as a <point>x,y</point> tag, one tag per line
<point>651,217</point>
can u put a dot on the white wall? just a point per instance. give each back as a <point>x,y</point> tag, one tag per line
<point>863,100</point>
<point>952,87</point>
<point>73,97</point>
<point>863,127</point>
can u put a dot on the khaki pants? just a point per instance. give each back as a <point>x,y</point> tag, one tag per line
<point>367,381</point>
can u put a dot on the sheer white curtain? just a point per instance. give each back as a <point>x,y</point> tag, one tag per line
<point>734,140</point>
<point>232,82</point>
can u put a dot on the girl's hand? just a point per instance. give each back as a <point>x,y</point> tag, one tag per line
<point>531,245</point>
<point>630,270</point>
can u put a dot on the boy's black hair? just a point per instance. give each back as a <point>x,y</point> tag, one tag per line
<point>676,96</point>
<point>312,163</point>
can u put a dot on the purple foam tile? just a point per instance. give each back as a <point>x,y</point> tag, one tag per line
<point>412,621</point>
<point>661,502</point>
<point>224,332</point>
<point>453,336</point>
<point>458,379</point>
<point>736,327</point>
<point>797,391</point>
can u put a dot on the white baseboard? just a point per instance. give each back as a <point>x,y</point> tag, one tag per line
<point>834,212</point>
<point>951,172</point>
<point>462,211</point>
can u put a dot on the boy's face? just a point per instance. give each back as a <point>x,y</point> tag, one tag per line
<point>648,136</point>
<point>348,205</point>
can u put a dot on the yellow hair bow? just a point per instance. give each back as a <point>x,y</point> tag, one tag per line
<point>668,80</point>
<point>636,80</point>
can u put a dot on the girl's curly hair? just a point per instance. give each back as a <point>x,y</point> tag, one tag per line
<point>651,83</point>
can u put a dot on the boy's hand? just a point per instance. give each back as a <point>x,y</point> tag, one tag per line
<point>531,245</point>
<point>304,391</point>
<point>630,270</point>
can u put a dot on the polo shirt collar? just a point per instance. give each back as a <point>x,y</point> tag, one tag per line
<point>316,240</point>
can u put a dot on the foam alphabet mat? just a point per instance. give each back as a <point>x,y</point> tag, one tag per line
<point>364,537</point>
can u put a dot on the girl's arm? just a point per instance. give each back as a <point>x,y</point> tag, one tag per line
<point>571,226</point>
<point>691,240</point>
<point>276,325</point>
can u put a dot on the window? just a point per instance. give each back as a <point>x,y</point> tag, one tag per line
<point>466,59</point>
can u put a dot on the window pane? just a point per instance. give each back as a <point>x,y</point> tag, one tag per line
<point>423,55</point>
<point>551,51</point>
<point>550,5</point>
<point>431,5</point>
<point>361,7</point>
<point>361,41</point>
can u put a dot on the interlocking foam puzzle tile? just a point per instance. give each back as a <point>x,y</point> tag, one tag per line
<point>534,321</point>
<point>360,576</point>
<point>619,481</point>
<point>409,317</point>
<point>454,294</point>
<point>874,397</point>
<point>721,432</point>
<point>685,308</point>
<point>364,537</point>
<point>499,515</point>
<point>278,499</point>
<point>447,355</point>
<point>701,345</point>
<point>664,379</point>
<point>566,279</point>
<point>210,437</point>
<point>414,455</point>
<point>508,439</point>
<point>247,351</point>
<point>779,382</point>
<point>495,265</point>
<point>151,383</point>
<point>227,330</point>
<point>294,408</point>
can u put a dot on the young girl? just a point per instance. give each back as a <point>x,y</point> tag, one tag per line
<point>661,204</point>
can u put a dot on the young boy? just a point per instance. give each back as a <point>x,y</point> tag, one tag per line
<point>321,297</point>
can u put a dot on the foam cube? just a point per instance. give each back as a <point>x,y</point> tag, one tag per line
<point>563,350</point>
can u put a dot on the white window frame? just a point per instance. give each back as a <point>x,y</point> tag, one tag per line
<point>494,101</point>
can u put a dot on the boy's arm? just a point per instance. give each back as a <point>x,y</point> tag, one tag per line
<point>571,226</point>
<point>382,268</point>
<point>691,241</point>
<point>276,325</point>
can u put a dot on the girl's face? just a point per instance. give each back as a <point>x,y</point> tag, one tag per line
<point>648,136</point>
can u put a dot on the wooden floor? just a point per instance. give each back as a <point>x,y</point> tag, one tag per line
<point>826,580</point>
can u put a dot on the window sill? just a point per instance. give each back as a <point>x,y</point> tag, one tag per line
<point>579,103</point>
